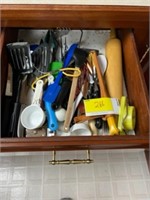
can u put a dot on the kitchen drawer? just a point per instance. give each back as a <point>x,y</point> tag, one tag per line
<point>89,18</point>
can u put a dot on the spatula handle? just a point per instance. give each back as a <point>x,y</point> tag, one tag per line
<point>52,123</point>
<point>70,108</point>
<point>14,120</point>
<point>64,92</point>
<point>113,130</point>
<point>16,112</point>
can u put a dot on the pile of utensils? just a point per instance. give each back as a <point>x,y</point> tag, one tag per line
<point>60,78</point>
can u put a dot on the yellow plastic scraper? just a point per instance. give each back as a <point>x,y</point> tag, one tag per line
<point>127,116</point>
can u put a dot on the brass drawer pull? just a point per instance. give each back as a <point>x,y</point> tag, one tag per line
<point>68,162</point>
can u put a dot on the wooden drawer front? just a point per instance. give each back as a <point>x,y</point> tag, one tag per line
<point>74,16</point>
<point>134,79</point>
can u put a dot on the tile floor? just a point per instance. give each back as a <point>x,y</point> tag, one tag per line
<point>114,175</point>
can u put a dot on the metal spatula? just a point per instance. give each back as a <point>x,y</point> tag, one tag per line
<point>20,57</point>
<point>20,60</point>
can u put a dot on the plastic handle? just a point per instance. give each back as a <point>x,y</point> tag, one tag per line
<point>52,123</point>
<point>14,120</point>
<point>38,93</point>
<point>63,94</point>
<point>113,130</point>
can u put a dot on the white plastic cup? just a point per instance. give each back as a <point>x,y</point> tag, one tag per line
<point>33,116</point>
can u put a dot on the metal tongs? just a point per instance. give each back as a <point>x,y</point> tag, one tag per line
<point>93,90</point>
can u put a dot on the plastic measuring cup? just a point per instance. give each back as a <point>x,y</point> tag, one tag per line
<point>33,116</point>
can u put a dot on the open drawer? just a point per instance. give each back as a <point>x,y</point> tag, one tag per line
<point>133,75</point>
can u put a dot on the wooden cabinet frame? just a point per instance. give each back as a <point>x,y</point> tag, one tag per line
<point>129,19</point>
<point>74,16</point>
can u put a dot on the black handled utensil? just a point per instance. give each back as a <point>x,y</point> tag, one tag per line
<point>20,60</point>
<point>64,92</point>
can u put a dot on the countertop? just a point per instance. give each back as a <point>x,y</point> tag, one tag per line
<point>81,2</point>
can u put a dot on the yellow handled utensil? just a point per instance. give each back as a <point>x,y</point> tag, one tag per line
<point>113,130</point>
<point>126,119</point>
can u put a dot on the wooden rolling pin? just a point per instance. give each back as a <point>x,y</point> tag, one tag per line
<point>113,130</point>
<point>113,75</point>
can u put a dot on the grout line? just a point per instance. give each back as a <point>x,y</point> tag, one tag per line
<point>94,183</point>
<point>111,181</point>
<point>141,165</point>
<point>128,180</point>
<point>60,170</point>
<point>42,183</point>
<point>77,181</point>
<point>141,162</point>
<point>25,182</point>
<point>94,179</point>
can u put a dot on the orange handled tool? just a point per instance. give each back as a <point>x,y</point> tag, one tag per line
<point>113,130</point>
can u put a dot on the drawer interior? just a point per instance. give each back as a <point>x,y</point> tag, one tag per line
<point>134,83</point>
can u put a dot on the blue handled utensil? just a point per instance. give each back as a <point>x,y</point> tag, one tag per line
<point>53,90</point>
